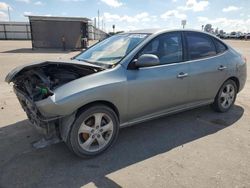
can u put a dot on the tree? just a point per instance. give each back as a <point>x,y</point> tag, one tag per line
<point>208,28</point>
<point>217,31</point>
<point>221,32</point>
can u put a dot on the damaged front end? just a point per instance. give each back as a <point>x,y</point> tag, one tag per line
<point>36,82</point>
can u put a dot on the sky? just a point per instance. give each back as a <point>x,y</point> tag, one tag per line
<point>229,15</point>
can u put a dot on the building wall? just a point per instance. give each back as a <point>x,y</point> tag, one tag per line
<point>21,31</point>
<point>49,34</point>
<point>95,33</point>
<point>15,31</point>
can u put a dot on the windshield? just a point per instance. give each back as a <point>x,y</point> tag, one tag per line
<point>111,50</point>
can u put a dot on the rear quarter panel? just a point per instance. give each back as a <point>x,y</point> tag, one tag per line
<point>237,67</point>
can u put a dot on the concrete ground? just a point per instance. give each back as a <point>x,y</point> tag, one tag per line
<point>197,148</point>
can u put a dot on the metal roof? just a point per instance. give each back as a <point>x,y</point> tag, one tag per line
<point>14,23</point>
<point>57,18</point>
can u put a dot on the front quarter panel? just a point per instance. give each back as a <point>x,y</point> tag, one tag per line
<point>108,85</point>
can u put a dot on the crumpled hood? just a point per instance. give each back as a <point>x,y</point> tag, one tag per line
<point>12,74</point>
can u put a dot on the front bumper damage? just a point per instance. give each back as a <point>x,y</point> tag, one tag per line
<point>48,127</point>
<point>54,129</point>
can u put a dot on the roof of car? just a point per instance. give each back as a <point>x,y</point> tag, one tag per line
<point>152,31</point>
<point>149,31</point>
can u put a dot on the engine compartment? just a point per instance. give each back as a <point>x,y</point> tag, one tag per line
<point>38,82</point>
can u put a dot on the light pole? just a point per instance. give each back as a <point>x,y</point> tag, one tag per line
<point>183,23</point>
<point>9,13</point>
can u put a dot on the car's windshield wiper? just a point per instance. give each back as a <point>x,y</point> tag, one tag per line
<point>110,58</point>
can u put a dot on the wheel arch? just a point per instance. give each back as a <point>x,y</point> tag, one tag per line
<point>236,80</point>
<point>99,102</point>
<point>67,122</point>
<point>215,105</point>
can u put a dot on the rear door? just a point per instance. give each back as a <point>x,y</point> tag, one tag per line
<point>207,66</point>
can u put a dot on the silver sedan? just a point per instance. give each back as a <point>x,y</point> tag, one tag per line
<point>126,79</point>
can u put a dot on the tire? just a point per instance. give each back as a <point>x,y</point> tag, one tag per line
<point>94,131</point>
<point>225,97</point>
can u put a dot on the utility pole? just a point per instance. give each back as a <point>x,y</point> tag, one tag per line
<point>98,19</point>
<point>102,24</point>
<point>94,29</point>
<point>95,22</point>
<point>103,20</point>
<point>9,13</point>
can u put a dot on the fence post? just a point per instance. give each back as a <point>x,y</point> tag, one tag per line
<point>5,34</point>
<point>31,35</point>
<point>27,30</point>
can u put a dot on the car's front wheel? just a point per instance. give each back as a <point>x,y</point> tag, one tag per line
<point>226,96</point>
<point>95,130</point>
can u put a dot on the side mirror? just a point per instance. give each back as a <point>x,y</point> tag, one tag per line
<point>147,60</point>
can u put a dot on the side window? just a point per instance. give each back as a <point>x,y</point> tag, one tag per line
<point>167,47</point>
<point>220,46</point>
<point>199,46</point>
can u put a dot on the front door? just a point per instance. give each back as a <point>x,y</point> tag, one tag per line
<point>153,90</point>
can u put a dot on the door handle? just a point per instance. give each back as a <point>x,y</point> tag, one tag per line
<point>222,67</point>
<point>182,75</point>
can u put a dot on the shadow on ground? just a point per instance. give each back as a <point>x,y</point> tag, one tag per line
<point>30,50</point>
<point>56,166</point>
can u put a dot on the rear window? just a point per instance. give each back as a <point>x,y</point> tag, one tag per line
<point>220,46</point>
<point>199,46</point>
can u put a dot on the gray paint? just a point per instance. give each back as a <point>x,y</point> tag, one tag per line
<point>147,60</point>
<point>148,92</point>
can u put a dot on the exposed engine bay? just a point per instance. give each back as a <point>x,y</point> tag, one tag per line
<point>38,82</point>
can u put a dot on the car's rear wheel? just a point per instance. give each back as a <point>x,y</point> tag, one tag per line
<point>226,96</point>
<point>95,130</point>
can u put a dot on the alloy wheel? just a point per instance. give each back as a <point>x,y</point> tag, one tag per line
<point>227,96</point>
<point>95,132</point>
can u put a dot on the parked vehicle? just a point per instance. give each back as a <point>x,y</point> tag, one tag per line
<point>233,35</point>
<point>241,35</point>
<point>224,36</point>
<point>247,36</point>
<point>126,79</point>
<point>236,35</point>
